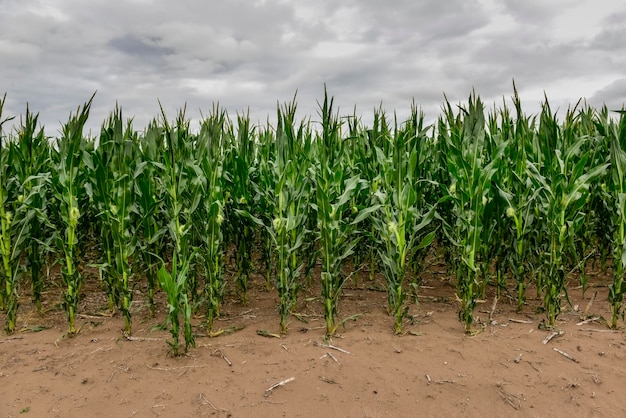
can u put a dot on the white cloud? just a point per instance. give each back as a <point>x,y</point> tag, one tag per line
<point>246,55</point>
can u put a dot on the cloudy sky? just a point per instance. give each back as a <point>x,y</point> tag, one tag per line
<point>252,54</point>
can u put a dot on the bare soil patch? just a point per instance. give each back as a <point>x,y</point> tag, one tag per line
<point>433,370</point>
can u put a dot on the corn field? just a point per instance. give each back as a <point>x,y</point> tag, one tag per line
<point>509,201</point>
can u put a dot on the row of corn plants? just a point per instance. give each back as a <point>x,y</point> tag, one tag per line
<point>504,197</point>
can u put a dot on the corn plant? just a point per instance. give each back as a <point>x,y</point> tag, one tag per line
<point>209,218</point>
<point>617,191</point>
<point>264,198</point>
<point>181,180</point>
<point>101,200</point>
<point>334,189</point>
<point>290,206</point>
<point>14,224</point>
<point>361,160</point>
<point>402,219</point>
<point>148,213</point>
<point>471,171</point>
<point>30,161</point>
<point>447,239</point>
<point>175,287</point>
<point>564,185</point>
<point>13,232</point>
<point>494,231</point>
<point>428,187</point>
<point>582,243</point>
<point>5,245</point>
<point>516,190</point>
<point>114,180</point>
<point>601,206</point>
<point>68,190</point>
<point>240,175</point>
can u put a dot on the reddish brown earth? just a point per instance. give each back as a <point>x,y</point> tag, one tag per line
<point>432,370</point>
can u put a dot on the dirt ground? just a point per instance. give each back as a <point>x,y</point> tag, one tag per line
<point>366,371</point>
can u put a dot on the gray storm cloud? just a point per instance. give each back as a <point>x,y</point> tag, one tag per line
<point>251,55</point>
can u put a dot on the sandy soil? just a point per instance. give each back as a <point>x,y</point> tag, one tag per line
<point>433,370</point>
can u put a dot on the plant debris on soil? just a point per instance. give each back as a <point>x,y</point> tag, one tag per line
<point>511,368</point>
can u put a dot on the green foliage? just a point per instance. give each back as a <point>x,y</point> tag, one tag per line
<point>30,164</point>
<point>617,204</point>
<point>69,178</point>
<point>174,284</point>
<point>335,187</point>
<point>501,195</point>
<point>148,215</point>
<point>209,217</point>
<point>472,166</point>
<point>289,200</point>
<point>113,193</point>
<point>519,198</point>
<point>182,182</point>
<point>401,217</point>
<point>562,176</point>
<point>241,173</point>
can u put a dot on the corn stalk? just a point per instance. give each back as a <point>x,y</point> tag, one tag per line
<point>181,180</point>
<point>13,232</point>
<point>114,177</point>
<point>30,160</point>
<point>290,201</point>
<point>471,171</point>
<point>241,174</point>
<point>516,191</point>
<point>209,218</point>
<point>334,189</point>
<point>68,189</point>
<point>148,213</point>
<point>617,188</point>
<point>402,221</point>
<point>563,186</point>
<point>264,198</point>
